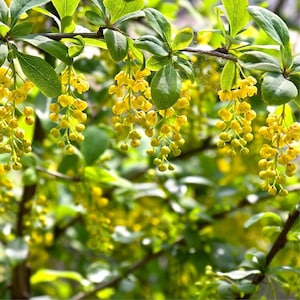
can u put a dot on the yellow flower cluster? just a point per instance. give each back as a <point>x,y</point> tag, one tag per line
<point>134,107</point>
<point>12,137</point>
<point>68,111</point>
<point>237,117</point>
<point>5,190</point>
<point>278,156</point>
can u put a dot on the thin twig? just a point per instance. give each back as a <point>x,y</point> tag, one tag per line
<point>58,174</point>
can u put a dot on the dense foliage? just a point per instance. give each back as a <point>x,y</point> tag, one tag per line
<point>148,150</point>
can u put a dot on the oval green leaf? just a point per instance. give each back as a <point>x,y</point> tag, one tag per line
<point>257,60</point>
<point>276,89</point>
<point>165,87</point>
<point>152,44</point>
<point>183,38</point>
<point>40,73</point>
<point>120,8</point>
<point>116,44</point>
<point>228,76</point>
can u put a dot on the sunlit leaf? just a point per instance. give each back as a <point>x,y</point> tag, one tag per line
<point>270,217</point>
<point>65,7</point>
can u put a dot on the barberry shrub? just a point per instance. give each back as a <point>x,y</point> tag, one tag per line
<point>143,157</point>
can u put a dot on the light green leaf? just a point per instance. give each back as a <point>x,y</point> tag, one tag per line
<point>152,44</point>
<point>270,217</point>
<point>40,73</point>
<point>237,15</point>
<point>155,62</point>
<point>4,29</point>
<point>159,23</point>
<point>3,11</point>
<point>228,76</point>
<point>16,250</point>
<point>120,8</point>
<point>54,48</point>
<point>257,60</point>
<point>47,275</point>
<point>271,24</point>
<point>67,24</point>
<point>116,44</point>
<point>65,7</point>
<point>276,89</point>
<point>183,38</point>
<point>3,53</point>
<point>96,141</point>
<point>18,7</point>
<point>95,43</point>
<point>165,87</point>
<point>287,111</point>
<point>77,46</point>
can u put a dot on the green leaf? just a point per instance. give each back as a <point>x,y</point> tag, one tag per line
<point>95,43</point>
<point>155,62</point>
<point>16,250</point>
<point>237,15</point>
<point>296,65</point>
<point>30,176</point>
<point>95,142</point>
<point>183,38</point>
<point>152,44</point>
<point>65,7</point>
<point>3,53</point>
<point>116,44</point>
<point>54,48</point>
<point>67,24</point>
<point>159,23</point>
<point>21,29</point>
<point>4,29</point>
<point>271,24</point>
<point>47,275</point>
<point>270,217</point>
<point>134,15</point>
<point>276,89</point>
<point>95,18</point>
<point>18,7</point>
<point>165,87</point>
<point>120,8</point>
<point>185,67</point>
<point>40,73</point>
<point>3,11</point>
<point>100,5</point>
<point>77,46</point>
<point>228,76</point>
<point>288,113</point>
<point>257,60</point>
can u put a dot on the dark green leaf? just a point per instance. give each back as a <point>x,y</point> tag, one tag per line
<point>152,44</point>
<point>40,73</point>
<point>134,15</point>
<point>54,48</point>
<point>183,38</point>
<point>257,60</point>
<point>155,62</point>
<point>96,141</point>
<point>120,8</point>
<point>116,44</point>
<point>67,24</point>
<point>3,11</point>
<point>3,53</point>
<point>21,29</point>
<point>159,23</point>
<point>228,76</point>
<point>165,87</point>
<point>271,24</point>
<point>18,7</point>
<point>100,5</point>
<point>296,64</point>
<point>185,67</point>
<point>272,218</point>
<point>77,46</point>
<point>95,18</point>
<point>237,15</point>
<point>276,89</point>
<point>65,7</point>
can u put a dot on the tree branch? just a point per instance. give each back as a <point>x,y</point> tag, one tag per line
<point>58,174</point>
<point>278,244</point>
